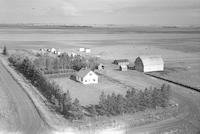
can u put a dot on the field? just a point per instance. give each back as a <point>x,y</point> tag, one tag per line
<point>89,94</point>
<point>179,47</point>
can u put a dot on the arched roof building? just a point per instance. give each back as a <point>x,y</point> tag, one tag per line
<point>149,63</point>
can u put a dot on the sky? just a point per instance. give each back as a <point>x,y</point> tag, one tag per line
<point>100,12</point>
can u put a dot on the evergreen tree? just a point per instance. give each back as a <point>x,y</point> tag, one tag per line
<point>66,103</point>
<point>102,103</point>
<point>5,51</point>
<point>76,110</point>
<point>120,104</point>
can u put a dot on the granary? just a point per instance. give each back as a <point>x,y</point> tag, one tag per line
<point>149,63</point>
<point>87,50</point>
<point>81,49</point>
<point>100,66</point>
<point>123,68</point>
<point>121,62</point>
<point>86,76</point>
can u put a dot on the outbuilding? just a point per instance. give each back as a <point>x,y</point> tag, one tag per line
<point>87,50</point>
<point>87,76</point>
<point>131,66</point>
<point>123,68</point>
<point>121,62</point>
<point>149,63</point>
<point>53,50</point>
<point>81,49</point>
<point>100,67</point>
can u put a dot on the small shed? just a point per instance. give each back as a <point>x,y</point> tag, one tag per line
<point>87,76</point>
<point>149,63</point>
<point>123,68</point>
<point>121,62</point>
<point>100,66</point>
<point>131,66</point>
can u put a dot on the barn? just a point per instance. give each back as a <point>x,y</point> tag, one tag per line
<point>121,62</point>
<point>86,76</point>
<point>149,63</point>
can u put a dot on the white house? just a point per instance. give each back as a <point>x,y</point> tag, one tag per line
<point>86,76</point>
<point>149,63</point>
<point>81,49</point>
<point>87,50</point>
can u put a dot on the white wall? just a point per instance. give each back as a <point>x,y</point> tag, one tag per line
<point>90,79</point>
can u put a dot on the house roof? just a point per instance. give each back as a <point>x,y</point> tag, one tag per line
<point>151,60</point>
<point>83,72</point>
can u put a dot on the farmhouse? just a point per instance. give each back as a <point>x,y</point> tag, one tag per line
<point>123,67</point>
<point>149,63</point>
<point>121,62</point>
<point>86,76</point>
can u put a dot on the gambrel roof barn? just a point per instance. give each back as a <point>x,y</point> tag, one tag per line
<point>149,63</point>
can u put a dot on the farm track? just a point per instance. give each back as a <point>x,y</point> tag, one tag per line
<point>27,118</point>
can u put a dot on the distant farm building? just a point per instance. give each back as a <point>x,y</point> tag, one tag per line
<point>121,62</point>
<point>53,50</point>
<point>149,63</point>
<point>59,53</point>
<point>100,66</point>
<point>86,76</point>
<point>131,66</point>
<point>123,68</point>
<point>81,49</point>
<point>87,50</point>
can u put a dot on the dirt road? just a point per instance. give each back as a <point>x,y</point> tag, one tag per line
<point>27,118</point>
<point>188,120</point>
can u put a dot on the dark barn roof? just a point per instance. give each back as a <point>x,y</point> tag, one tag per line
<point>121,60</point>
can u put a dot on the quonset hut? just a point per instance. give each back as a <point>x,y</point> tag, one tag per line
<point>149,63</point>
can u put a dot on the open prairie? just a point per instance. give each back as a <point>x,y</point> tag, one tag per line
<point>180,47</point>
